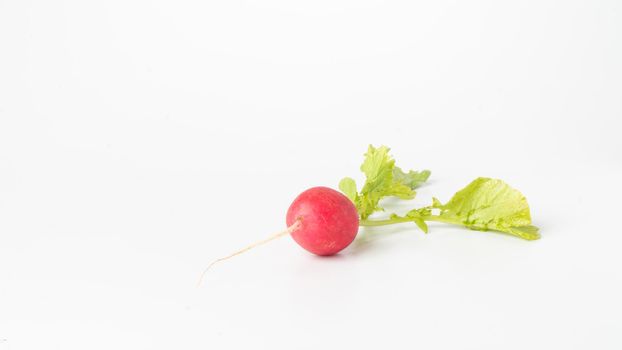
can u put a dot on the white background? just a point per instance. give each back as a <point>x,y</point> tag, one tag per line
<point>141,140</point>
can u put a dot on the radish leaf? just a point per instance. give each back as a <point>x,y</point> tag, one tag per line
<point>485,204</point>
<point>489,204</point>
<point>348,187</point>
<point>412,179</point>
<point>383,179</point>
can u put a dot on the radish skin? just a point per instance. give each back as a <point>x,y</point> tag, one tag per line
<point>328,220</point>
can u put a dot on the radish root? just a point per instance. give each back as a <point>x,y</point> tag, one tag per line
<point>288,231</point>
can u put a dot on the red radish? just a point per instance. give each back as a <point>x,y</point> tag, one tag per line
<point>322,220</point>
<point>328,220</point>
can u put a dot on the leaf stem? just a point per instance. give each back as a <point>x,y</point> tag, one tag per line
<point>367,223</point>
<point>437,218</point>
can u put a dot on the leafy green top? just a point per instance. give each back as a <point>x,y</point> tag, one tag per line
<point>489,204</point>
<point>484,204</point>
<point>383,179</point>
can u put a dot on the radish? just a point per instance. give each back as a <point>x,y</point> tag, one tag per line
<point>321,220</point>
<point>327,220</point>
<point>324,221</point>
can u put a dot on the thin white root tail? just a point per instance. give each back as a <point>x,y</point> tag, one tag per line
<point>288,231</point>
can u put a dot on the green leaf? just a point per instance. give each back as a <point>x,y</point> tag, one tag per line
<point>485,204</point>
<point>383,179</point>
<point>436,203</point>
<point>489,204</point>
<point>378,167</point>
<point>401,191</point>
<point>378,170</point>
<point>412,179</point>
<point>421,224</point>
<point>348,187</point>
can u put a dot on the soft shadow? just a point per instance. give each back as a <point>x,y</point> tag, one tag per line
<point>327,257</point>
<point>367,236</point>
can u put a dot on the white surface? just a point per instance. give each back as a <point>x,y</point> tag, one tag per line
<point>140,140</point>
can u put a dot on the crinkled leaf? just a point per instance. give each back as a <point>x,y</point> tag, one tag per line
<point>400,190</point>
<point>412,179</point>
<point>489,204</point>
<point>378,169</point>
<point>384,179</point>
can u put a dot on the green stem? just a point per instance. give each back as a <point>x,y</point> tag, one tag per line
<point>437,218</point>
<point>383,222</point>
